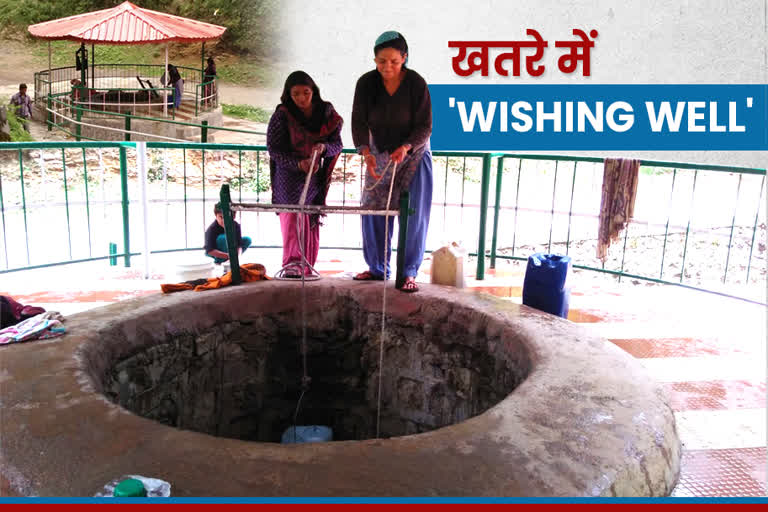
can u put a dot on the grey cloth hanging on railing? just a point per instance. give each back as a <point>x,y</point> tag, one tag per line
<point>617,205</point>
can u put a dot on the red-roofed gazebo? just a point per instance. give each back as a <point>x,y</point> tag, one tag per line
<point>125,24</point>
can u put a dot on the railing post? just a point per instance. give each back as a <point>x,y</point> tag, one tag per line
<point>124,195</point>
<point>141,171</point>
<point>78,116</point>
<point>229,229</point>
<point>204,131</point>
<point>483,215</point>
<point>50,114</point>
<point>499,172</point>
<point>402,235</point>
<point>23,204</point>
<point>128,128</point>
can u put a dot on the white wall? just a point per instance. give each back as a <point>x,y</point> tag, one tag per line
<point>639,42</point>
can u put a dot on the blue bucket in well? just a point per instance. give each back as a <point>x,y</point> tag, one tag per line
<point>307,434</point>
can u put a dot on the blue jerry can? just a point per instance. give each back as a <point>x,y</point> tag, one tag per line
<point>545,287</point>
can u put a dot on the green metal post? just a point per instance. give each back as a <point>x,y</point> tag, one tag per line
<point>24,203</point>
<point>733,224</point>
<point>204,131</point>
<point>240,176</point>
<point>552,218</point>
<point>124,193</point>
<point>570,210</point>
<point>2,214</point>
<point>87,203</point>
<point>483,215</point>
<point>402,227</point>
<point>754,228</point>
<point>624,249</point>
<point>499,172</point>
<point>666,228</point>
<point>258,177</point>
<point>229,229</point>
<point>66,199</point>
<point>128,128</point>
<point>78,126</point>
<point>445,194</point>
<point>203,181</point>
<point>688,227</point>
<point>517,203</point>
<point>112,252</point>
<point>186,225</point>
<point>50,108</point>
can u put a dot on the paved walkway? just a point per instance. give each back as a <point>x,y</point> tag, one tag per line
<point>709,351</point>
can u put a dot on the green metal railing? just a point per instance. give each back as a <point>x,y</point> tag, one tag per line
<point>539,204</point>
<point>206,97</point>
<point>71,116</point>
<point>111,76</point>
<point>673,170</point>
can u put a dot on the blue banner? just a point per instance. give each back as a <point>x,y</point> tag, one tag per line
<point>468,117</point>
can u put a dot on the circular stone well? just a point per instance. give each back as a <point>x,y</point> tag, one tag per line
<point>480,397</point>
<point>242,378</point>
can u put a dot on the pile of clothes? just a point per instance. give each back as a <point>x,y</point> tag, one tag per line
<point>25,323</point>
<point>249,273</point>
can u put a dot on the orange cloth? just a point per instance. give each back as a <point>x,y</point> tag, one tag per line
<point>249,272</point>
<point>170,288</point>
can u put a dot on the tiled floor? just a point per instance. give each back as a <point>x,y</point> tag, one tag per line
<point>709,352</point>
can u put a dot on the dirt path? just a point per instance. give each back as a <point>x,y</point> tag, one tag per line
<point>257,97</point>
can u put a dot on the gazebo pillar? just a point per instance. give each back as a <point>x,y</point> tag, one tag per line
<point>48,96</point>
<point>167,81</point>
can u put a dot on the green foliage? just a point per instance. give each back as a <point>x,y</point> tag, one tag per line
<point>18,133</point>
<point>255,178</point>
<point>246,112</point>
<point>244,72</point>
<point>652,171</point>
<point>250,26</point>
<point>250,23</point>
<point>470,168</point>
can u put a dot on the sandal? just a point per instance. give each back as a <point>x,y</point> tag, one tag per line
<point>409,286</point>
<point>367,276</point>
<point>292,273</point>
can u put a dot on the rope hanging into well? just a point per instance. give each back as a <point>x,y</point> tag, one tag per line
<point>384,294</point>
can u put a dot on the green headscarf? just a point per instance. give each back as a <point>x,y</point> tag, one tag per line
<point>391,39</point>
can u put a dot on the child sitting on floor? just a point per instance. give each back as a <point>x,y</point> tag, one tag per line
<point>216,239</point>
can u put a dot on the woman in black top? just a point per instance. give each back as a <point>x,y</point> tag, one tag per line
<point>392,121</point>
<point>209,77</point>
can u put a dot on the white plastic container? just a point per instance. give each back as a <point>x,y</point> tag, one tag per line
<point>194,269</point>
<point>448,265</point>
